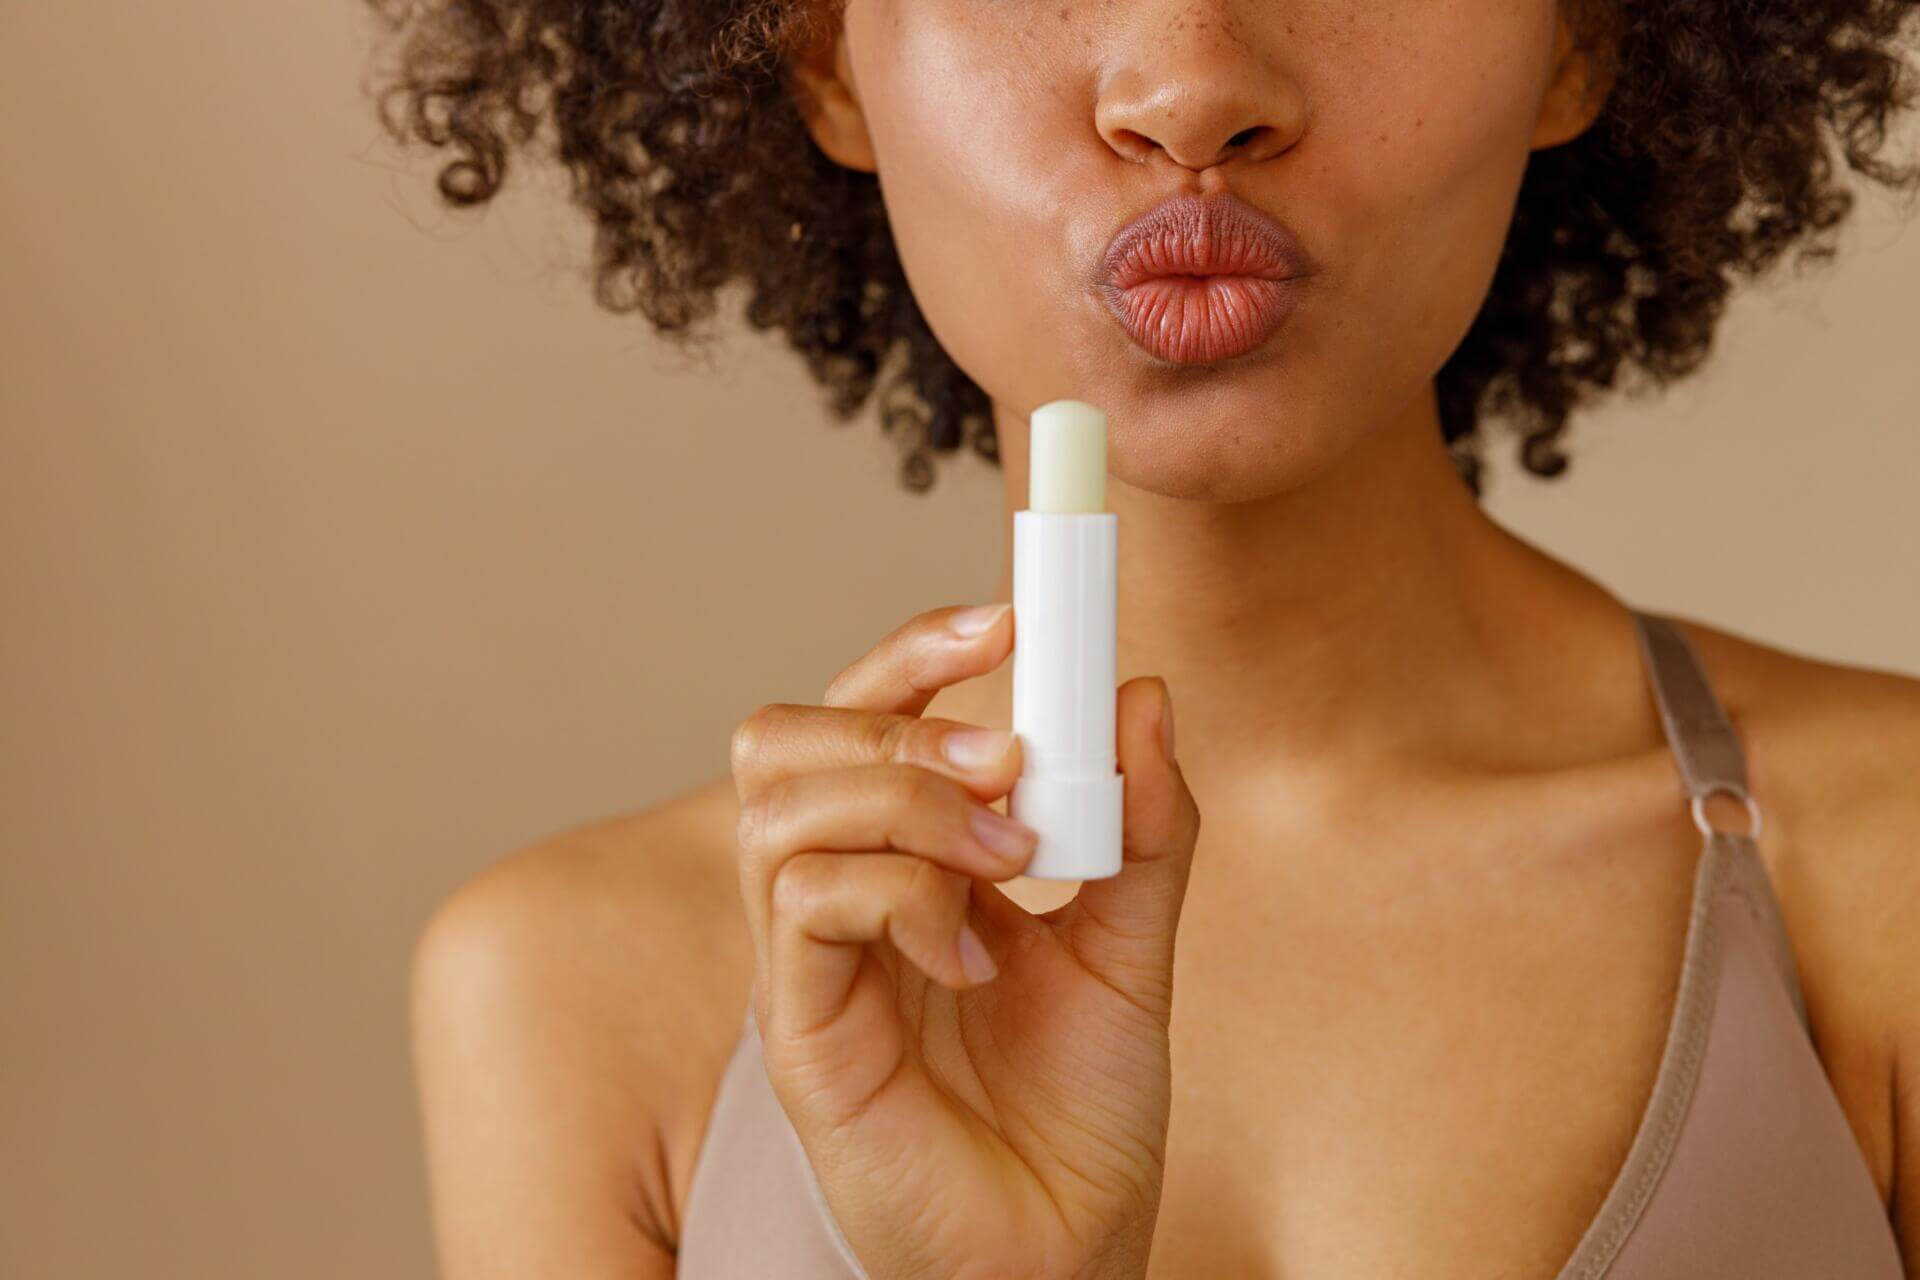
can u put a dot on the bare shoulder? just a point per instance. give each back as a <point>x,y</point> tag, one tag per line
<point>1834,762</point>
<point>573,1007</point>
<point>1828,743</point>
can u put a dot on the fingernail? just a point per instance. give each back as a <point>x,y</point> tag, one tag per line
<point>976,748</point>
<point>974,960</point>
<point>975,619</point>
<point>1166,724</point>
<point>1003,835</point>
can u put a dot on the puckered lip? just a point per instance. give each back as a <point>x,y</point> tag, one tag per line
<point>1213,235</point>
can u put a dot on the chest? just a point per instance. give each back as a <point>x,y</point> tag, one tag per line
<point>1390,1072</point>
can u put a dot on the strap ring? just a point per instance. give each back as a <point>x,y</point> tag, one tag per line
<point>1699,809</point>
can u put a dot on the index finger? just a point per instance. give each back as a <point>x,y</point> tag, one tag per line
<point>924,655</point>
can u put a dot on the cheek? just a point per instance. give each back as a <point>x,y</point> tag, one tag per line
<point>1418,153</point>
<point>983,143</point>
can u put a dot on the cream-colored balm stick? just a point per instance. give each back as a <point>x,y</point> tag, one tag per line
<point>1064,546</point>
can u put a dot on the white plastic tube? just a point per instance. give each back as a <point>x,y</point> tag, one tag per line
<point>1064,545</point>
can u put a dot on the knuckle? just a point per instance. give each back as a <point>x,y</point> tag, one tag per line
<point>760,817</point>
<point>884,737</point>
<point>750,735</point>
<point>800,883</point>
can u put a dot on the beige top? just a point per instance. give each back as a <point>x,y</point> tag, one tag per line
<point>1743,1167</point>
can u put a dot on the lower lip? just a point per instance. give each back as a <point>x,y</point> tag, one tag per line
<point>1203,319</point>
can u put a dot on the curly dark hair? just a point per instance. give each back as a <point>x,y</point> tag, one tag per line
<point>1713,155</point>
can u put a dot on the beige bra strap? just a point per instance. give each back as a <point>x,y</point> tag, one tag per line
<point>1703,740</point>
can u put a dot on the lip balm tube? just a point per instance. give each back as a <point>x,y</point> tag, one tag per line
<point>1064,545</point>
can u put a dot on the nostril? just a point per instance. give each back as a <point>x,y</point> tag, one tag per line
<point>1244,136</point>
<point>1135,146</point>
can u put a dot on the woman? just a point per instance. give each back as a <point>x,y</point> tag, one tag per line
<point>1528,934</point>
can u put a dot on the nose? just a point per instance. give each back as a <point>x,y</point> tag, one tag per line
<point>1200,81</point>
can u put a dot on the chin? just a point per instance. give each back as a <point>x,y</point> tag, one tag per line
<point>1214,452</point>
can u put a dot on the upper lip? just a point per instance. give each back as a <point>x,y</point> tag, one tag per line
<point>1192,235</point>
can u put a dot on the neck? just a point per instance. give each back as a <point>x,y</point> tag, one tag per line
<point>1374,613</point>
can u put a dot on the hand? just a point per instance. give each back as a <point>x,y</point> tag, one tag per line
<point>962,1126</point>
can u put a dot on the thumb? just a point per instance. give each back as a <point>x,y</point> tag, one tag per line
<point>1121,927</point>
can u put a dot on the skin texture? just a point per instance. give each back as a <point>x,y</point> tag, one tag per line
<point>1391,138</point>
<point>1427,949</point>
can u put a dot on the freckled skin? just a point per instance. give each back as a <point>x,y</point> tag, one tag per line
<point>1010,150</point>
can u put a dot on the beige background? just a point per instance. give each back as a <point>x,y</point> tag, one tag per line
<point>344,546</point>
